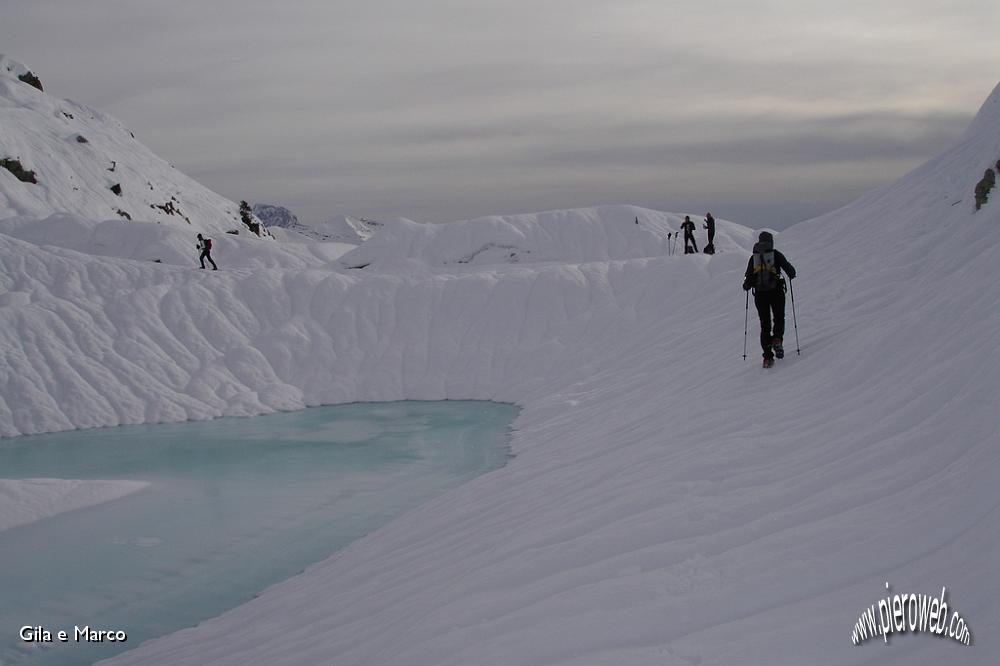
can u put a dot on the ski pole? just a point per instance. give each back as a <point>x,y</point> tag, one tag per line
<point>746,323</point>
<point>669,236</point>
<point>798,352</point>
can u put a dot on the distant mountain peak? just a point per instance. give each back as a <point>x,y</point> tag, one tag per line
<point>341,228</point>
<point>275,216</point>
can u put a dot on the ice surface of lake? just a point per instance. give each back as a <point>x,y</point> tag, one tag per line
<point>233,505</point>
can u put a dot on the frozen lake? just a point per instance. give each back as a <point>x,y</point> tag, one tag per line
<point>233,505</point>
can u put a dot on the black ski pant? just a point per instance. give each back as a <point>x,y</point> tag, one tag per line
<point>711,236</point>
<point>689,238</point>
<point>205,255</point>
<point>768,303</point>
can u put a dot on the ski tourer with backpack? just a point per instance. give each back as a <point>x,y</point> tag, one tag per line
<point>204,245</point>
<point>764,276</point>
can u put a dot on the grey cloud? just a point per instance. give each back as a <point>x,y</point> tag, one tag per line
<point>776,142</point>
<point>443,109</point>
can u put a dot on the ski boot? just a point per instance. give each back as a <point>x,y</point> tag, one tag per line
<point>768,361</point>
<point>779,351</point>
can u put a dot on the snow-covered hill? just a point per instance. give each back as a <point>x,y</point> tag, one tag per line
<point>341,229</point>
<point>669,503</point>
<point>346,229</point>
<point>574,236</point>
<point>76,160</point>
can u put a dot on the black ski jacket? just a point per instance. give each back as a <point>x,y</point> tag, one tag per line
<point>780,263</point>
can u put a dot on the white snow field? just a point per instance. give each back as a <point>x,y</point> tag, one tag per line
<point>669,502</point>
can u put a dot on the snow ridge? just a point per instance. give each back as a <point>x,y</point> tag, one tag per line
<point>576,236</point>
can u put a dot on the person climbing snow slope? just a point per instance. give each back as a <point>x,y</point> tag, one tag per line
<point>205,246</point>
<point>763,275</point>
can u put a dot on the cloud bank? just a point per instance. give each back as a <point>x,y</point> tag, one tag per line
<point>765,113</point>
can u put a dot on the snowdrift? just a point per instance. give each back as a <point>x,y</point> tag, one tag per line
<point>668,503</point>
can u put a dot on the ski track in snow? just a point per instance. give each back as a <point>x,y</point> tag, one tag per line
<point>669,503</point>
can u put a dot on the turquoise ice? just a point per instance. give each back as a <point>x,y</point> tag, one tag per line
<point>234,505</point>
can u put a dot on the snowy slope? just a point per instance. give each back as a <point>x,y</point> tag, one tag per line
<point>346,229</point>
<point>669,502</point>
<point>576,236</point>
<point>342,229</point>
<point>80,157</point>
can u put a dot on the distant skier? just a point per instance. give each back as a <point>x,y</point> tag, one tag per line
<point>764,277</point>
<point>710,225</point>
<point>688,228</point>
<point>205,245</point>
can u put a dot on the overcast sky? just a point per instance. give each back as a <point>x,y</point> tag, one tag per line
<point>763,112</point>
